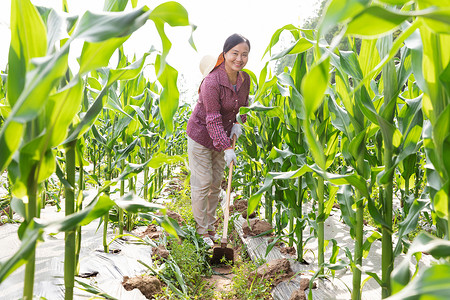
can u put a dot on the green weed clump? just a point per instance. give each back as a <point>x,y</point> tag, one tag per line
<point>192,264</point>
<point>246,285</point>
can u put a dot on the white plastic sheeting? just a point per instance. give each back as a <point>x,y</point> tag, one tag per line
<point>49,282</point>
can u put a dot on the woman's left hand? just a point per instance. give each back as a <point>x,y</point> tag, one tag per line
<point>236,130</point>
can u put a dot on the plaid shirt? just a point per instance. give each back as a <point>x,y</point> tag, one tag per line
<point>215,113</point>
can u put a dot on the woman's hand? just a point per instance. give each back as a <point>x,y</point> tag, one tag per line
<point>236,130</point>
<point>230,156</point>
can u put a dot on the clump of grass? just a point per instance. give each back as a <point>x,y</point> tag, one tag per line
<point>191,261</point>
<point>246,285</point>
<point>181,198</point>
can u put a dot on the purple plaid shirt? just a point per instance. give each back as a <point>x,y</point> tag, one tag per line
<point>215,113</point>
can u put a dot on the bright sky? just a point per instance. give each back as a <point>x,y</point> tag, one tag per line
<point>257,20</point>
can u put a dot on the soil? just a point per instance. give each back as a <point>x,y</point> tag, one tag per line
<point>288,250</point>
<point>160,252</point>
<point>256,227</point>
<point>283,248</point>
<point>300,293</point>
<point>221,280</point>
<point>176,216</point>
<point>148,285</point>
<point>241,207</point>
<point>152,232</point>
<point>276,270</point>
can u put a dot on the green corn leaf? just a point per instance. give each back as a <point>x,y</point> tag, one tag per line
<point>276,36</point>
<point>341,120</point>
<point>33,233</point>
<point>436,15</point>
<point>432,245</point>
<point>345,198</point>
<point>128,72</point>
<point>94,290</point>
<point>57,29</point>
<point>28,40</point>
<point>440,202</point>
<point>89,118</point>
<point>10,138</point>
<point>408,29</point>
<point>433,283</point>
<point>445,79</point>
<point>299,46</point>
<point>33,98</point>
<point>97,208</point>
<point>98,54</point>
<point>410,223</point>
<point>285,79</point>
<point>61,109</point>
<point>168,103</point>
<point>357,145</point>
<point>350,64</point>
<point>270,111</point>
<point>441,139</point>
<point>338,11</point>
<point>366,106</point>
<point>173,14</point>
<point>161,159</point>
<point>124,153</point>
<point>395,2</point>
<point>132,203</point>
<point>314,145</point>
<point>375,21</point>
<point>100,27</point>
<point>131,170</point>
<point>368,56</point>
<point>369,241</point>
<point>314,85</point>
<point>115,5</point>
<point>255,199</point>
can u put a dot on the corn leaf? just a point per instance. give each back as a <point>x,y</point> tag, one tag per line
<point>314,85</point>
<point>169,97</point>
<point>375,21</point>
<point>339,11</point>
<point>433,283</point>
<point>115,5</point>
<point>33,234</point>
<point>28,40</point>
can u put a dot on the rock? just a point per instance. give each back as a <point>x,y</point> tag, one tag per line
<point>160,252</point>
<point>256,227</point>
<point>148,285</point>
<point>277,270</point>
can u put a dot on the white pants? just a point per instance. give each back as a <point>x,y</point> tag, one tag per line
<point>207,168</point>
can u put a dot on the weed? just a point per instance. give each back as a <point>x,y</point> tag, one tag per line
<point>246,285</point>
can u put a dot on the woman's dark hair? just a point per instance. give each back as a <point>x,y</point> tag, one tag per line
<point>233,40</point>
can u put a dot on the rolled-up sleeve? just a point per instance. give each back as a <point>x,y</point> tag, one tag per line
<point>211,98</point>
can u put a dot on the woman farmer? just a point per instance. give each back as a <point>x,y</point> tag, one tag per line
<point>224,89</point>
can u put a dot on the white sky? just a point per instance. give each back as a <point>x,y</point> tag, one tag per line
<point>257,20</point>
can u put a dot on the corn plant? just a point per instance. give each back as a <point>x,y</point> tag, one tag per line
<point>44,99</point>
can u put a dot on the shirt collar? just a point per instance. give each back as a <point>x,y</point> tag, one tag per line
<point>223,78</point>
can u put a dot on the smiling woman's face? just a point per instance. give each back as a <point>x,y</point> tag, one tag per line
<point>236,58</point>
